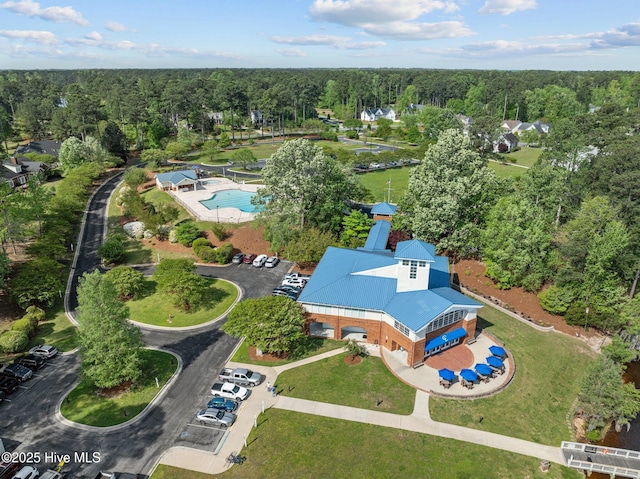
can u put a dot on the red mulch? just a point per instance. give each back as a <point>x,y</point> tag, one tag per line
<point>456,358</point>
<point>265,356</point>
<point>351,360</point>
<point>471,275</point>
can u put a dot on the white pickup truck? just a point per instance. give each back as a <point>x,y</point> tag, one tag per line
<point>241,376</point>
<point>230,391</point>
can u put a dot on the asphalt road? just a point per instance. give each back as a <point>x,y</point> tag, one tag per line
<point>28,423</point>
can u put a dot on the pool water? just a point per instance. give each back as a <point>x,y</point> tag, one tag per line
<point>232,199</point>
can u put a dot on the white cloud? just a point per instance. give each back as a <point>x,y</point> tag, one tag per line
<point>30,8</point>
<point>507,7</point>
<point>36,36</point>
<point>418,31</point>
<point>342,43</point>
<point>357,12</point>
<point>117,27</point>
<point>292,52</point>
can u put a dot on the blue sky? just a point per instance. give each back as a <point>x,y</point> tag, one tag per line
<point>502,34</point>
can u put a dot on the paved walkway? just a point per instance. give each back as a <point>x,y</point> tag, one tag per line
<point>419,421</point>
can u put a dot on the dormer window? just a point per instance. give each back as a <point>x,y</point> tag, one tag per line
<point>413,271</point>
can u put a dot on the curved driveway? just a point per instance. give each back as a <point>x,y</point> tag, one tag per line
<point>28,421</point>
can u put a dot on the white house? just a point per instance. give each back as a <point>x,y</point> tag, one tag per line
<point>374,114</point>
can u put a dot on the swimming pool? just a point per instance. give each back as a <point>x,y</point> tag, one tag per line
<point>232,199</point>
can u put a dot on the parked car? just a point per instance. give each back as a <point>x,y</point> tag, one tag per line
<point>375,165</point>
<point>7,384</point>
<point>216,416</point>
<point>248,258</point>
<point>260,261</point>
<point>3,396</point>
<point>31,361</point>
<point>27,472</point>
<point>289,288</point>
<point>362,167</point>
<point>298,282</point>
<point>7,469</point>
<point>237,258</point>
<point>230,391</point>
<point>287,294</point>
<point>228,405</point>
<point>297,275</point>
<point>44,350</point>
<point>272,262</point>
<point>16,371</point>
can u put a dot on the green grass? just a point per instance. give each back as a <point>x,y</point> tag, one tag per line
<point>139,253</point>
<point>161,198</point>
<point>376,182</point>
<point>506,170</point>
<point>549,370</point>
<point>113,211</point>
<point>288,444</point>
<point>309,347</point>
<point>362,385</point>
<point>84,406</point>
<point>525,156</point>
<point>155,307</point>
<point>56,330</point>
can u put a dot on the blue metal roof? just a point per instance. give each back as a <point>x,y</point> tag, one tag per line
<point>445,338</point>
<point>366,280</point>
<point>384,208</point>
<point>176,177</point>
<point>415,249</point>
<point>378,236</point>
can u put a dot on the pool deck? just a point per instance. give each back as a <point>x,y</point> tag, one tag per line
<point>204,191</point>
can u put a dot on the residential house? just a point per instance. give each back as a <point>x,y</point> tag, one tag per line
<point>182,180</point>
<point>16,171</point>
<point>508,141</point>
<point>256,117</point>
<point>467,121</point>
<point>41,147</point>
<point>374,114</point>
<point>511,125</point>
<point>414,108</point>
<point>399,300</point>
<point>216,117</point>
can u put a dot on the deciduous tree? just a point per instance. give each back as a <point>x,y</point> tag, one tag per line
<point>273,324</point>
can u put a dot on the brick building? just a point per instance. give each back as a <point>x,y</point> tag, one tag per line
<point>400,300</point>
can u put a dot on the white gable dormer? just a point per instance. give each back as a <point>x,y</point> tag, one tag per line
<point>414,265</point>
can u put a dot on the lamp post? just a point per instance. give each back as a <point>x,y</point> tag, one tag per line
<point>217,214</point>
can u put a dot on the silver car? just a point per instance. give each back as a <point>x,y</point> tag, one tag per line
<point>216,416</point>
<point>44,350</point>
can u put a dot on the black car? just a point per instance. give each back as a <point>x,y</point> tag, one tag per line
<point>7,385</point>
<point>31,361</point>
<point>16,371</point>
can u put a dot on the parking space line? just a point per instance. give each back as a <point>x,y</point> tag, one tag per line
<point>208,427</point>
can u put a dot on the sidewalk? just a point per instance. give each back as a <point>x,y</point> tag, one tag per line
<point>419,421</point>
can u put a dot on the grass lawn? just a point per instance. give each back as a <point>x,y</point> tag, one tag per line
<point>525,156</point>
<point>161,198</point>
<point>360,385</point>
<point>549,370</point>
<point>56,330</point>
<point>136,252</point>
<point>113,211</point>
<point>506,170</point>
<point>155,307</point>
<point>288,444</point>
<point>84,406</point>
<point>310,347</point>
<point>376,182</point>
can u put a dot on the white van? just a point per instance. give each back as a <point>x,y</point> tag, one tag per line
<point>260,260</point>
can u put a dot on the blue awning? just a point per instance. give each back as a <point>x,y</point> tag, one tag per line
<point>445,338</point>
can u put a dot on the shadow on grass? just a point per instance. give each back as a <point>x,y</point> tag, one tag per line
<point>211,298</point>
<point>483,323</point>
<point>137,253</point>
<point>306,347</point>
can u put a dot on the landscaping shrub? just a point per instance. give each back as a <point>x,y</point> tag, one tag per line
<point>35,313</point>
<point>352,134</point>
<point>207,254</point>
<point>187,233</point>
<point>224,253</point>
<point>13,342</point>
<point>555,299</point>
<point>329,136</point>
<point>112,250</point>
<point>219,231</point>
<point>198,242</point>
<point>24,325</point>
